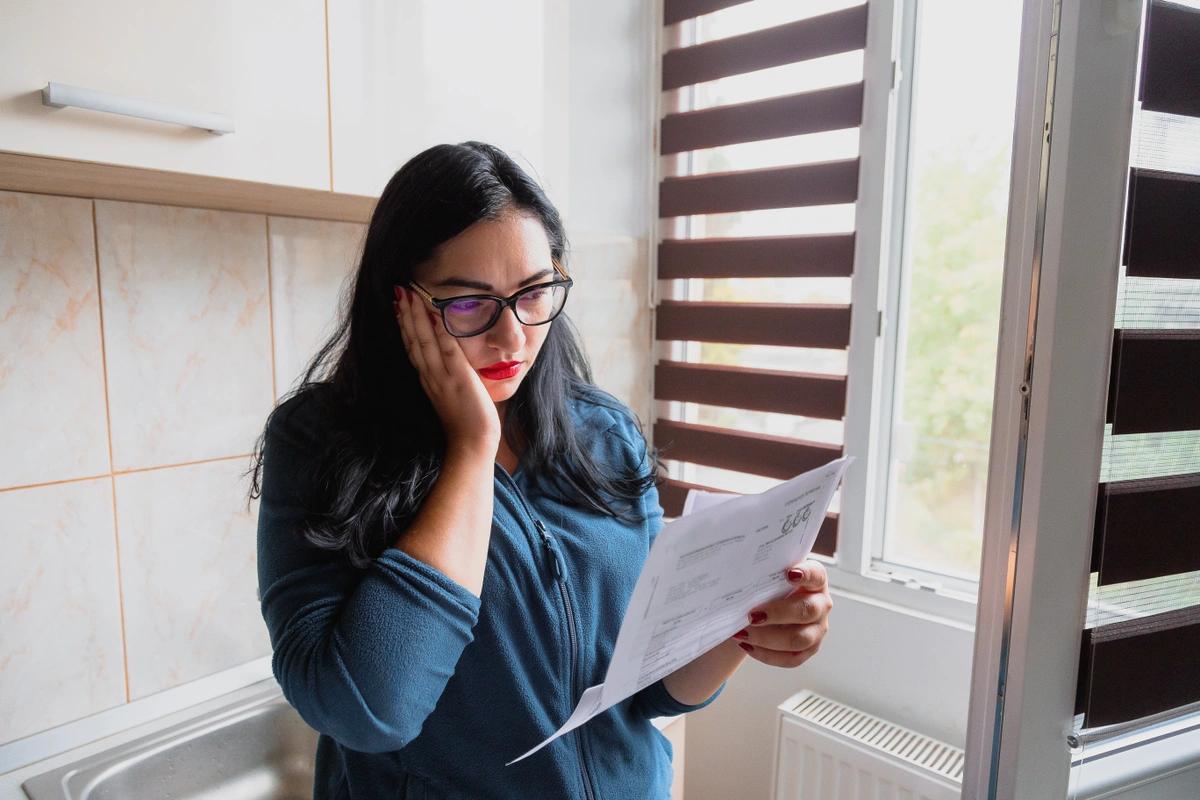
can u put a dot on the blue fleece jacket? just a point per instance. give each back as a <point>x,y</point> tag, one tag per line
<point>417,687</point>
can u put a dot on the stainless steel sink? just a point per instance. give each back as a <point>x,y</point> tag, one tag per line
<point>254,749</point>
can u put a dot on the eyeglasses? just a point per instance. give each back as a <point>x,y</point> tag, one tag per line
<point>472,314</point>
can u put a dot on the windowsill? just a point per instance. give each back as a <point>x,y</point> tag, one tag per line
<point>938,605</point>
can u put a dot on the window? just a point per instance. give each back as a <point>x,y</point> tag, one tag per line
<point>954,115</point>
<point>880,250</point>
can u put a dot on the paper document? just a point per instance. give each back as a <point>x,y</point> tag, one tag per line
<point>726,555</point>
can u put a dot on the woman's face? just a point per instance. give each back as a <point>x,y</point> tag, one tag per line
<point>495,256</point>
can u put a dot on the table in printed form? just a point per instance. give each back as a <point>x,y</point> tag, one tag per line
<point>725,555</point>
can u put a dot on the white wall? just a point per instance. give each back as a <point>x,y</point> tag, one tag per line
<point>605,202</point>
<point>911,669</point>
<point>609,117</point>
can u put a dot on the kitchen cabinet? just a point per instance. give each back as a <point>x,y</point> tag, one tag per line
<point>408,75</point>
<point>260,63</point>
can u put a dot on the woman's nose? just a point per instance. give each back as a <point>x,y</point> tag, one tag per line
<point>508,334</point>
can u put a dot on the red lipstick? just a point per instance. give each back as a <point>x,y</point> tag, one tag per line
<point>501,370</point>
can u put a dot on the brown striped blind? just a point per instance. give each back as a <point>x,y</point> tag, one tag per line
<point>783,388</point>
<point>1140,653</point>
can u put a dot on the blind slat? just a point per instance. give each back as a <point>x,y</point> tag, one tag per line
<point>1147,389</point>
<point>1171,60</point>
<point>822,396</point>
<point>679,10</point>
<point>828,34</point>
<point>826,183</point>
<point>755,453</point>
<point>1138,667</point>
<point>1162,238</point>
<point>790,115</point>
<point>812,256</point>
<point>1126,511</point>
<point>823,326</point>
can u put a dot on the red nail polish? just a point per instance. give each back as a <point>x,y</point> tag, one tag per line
<point>796,575</point>
<point>747,647</point>
<point>757,617</point>
<point>742,634</point>
<point>399,292</point>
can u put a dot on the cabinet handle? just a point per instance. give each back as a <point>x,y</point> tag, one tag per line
<point>60,95</point>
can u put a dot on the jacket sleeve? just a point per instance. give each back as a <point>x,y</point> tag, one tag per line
<point>363,655</point>
<point>653,700</point>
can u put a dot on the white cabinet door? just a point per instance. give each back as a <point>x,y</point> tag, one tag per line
<point>410,74</point>
<point>262,63</point>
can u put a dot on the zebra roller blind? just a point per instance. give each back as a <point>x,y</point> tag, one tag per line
<point>1141,648</point>
<point>690,252</point>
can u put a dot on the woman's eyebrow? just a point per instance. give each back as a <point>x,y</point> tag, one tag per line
<point>487,287</point>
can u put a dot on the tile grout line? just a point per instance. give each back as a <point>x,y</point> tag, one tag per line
<point>111,472</point>
<point>116,473</point>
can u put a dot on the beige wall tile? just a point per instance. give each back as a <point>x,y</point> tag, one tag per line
<point>311,263</point>
<point>60,640</point>
<point>51,368</point>
<point>188,573</point>
<point>184,294</point>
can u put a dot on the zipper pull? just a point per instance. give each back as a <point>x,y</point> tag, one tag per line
<point>549,542</point>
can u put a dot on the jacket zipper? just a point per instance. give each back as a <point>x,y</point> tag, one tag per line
<point>560,579</point>
<point>566,598</point>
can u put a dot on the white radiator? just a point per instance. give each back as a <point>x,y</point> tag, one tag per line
<point>826,750</point>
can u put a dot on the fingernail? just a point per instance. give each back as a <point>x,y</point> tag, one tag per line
<point>757,617</point>
<point>398,292</point>
<point>747,647</point>
<point>796,575</point>
<point>742,634</point>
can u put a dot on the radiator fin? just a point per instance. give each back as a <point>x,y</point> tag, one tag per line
<point>900,742</point>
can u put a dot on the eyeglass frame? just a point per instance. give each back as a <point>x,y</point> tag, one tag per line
<point>505,302</point>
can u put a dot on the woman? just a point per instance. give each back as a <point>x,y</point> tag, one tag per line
<point>453,518</point>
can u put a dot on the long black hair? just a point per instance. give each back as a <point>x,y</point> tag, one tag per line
<point>385,441</point>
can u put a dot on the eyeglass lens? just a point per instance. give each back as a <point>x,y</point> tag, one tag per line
<point>473,315</point>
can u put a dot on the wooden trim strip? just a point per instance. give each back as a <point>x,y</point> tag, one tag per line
<point>1162,239</point>
<point>802,256</point>
<point>825,183</point>
<point>672,494</point>
<point>804,39</point>
<point>1153,386</point>
<point>1138,667</point>
<point>754,453</point>
<point>20,172</point>
<point>804,394</point>
<point>784,324</point>
<point>790,115</point>
<point>1147,528</point>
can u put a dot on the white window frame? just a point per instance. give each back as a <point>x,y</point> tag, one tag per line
<point>874,335</point>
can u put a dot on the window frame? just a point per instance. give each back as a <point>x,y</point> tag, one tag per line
<point>876,296</point>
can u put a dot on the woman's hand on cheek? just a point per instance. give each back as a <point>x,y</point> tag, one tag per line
<point>789,631</point>
<point>457,392</point>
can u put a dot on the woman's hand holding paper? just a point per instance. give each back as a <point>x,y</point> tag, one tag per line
<point>788,631</point>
